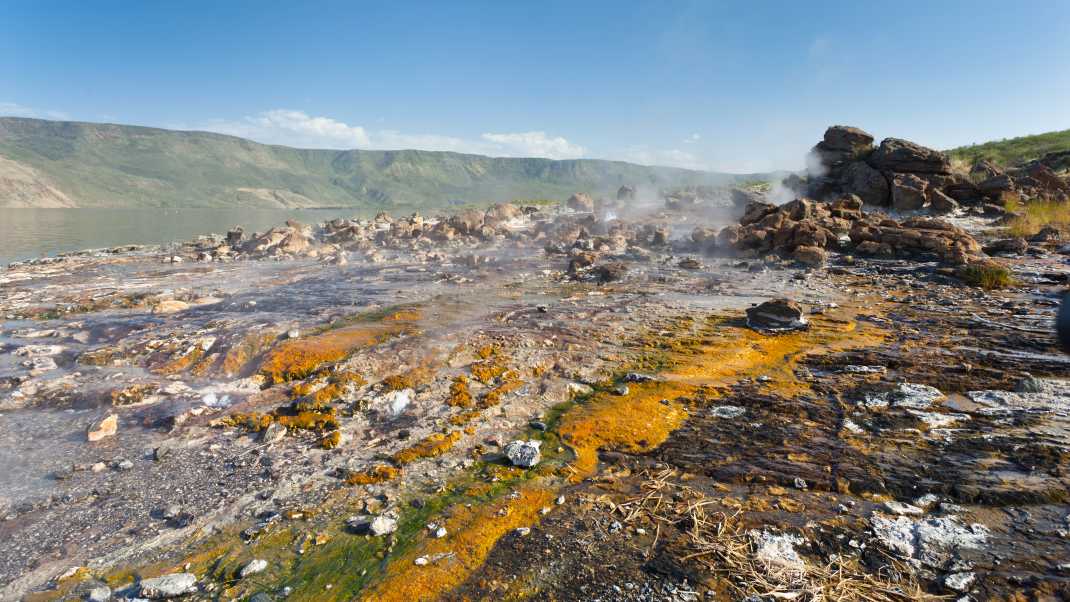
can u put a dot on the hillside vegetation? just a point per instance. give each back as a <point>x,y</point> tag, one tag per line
<point>1014,151</point>
<point>71,164</point>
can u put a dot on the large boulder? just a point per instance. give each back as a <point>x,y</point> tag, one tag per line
<point>741,198</point>
<point>626,193</point>
<point>908,192</point>
<point>940,203</point>
<point>842,144</point>
<point>810,256</point>
<point>467,222</point>
<point>502,212</point>
<point>580,201</point>
<point>870,185</point>
<point>898,155</point>
<point>845,137</point>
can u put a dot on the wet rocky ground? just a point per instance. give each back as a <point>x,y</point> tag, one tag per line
<point>320,413</point>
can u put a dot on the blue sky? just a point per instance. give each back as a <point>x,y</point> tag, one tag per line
<point>736,86</point>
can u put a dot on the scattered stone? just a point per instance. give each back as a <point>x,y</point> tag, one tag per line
<point>727,411</point>
<point>525,454</point>
<point>168,586</point>
<point>105,427</point>
<point>777,553</point>
<point>960,582</point>
<point>933,542</point>
<point>100,593</point>
<point>274,433</point>
<point>255,566</point>
<point>382,525</point>
<point>777,315</point>
<point>905,395</point>
<point>896,507</point>
<point>170,306</point>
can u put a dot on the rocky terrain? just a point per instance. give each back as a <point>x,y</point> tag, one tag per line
<point>854,395</point>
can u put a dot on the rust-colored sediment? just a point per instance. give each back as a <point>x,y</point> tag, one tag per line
<point>636,422</point>
<point>473,532</point>
<point>298,358</point>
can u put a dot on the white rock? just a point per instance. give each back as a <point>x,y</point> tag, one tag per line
<point>776,551</point>
<point>900,508</point>
<point>40,365</point>
<point>727,411</point>
<point>927,501</point>
<point>932,541</point>
<point>255,566</point>
<point>168,586</point>
<point>525,454</point>
<point>382,525</point>
<point>397,401</point>
<point>905,395</point>
<point>960,582</point>
<point>39,350</point>
<point>99,594</point>
<point>579,390</point>
<point>854,369</point>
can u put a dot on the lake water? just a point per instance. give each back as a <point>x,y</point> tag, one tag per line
<point>29,233</point>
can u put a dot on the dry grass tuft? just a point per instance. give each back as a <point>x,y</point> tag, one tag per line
<point>1036,215</point>
<point>720,543</point>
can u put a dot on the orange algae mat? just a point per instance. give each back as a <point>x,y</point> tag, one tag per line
<point>298,358</point>
<point>637,422</point>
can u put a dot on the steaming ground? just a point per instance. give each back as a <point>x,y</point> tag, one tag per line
<point>338,401</point>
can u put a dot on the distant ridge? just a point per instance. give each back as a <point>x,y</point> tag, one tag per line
<point>75,164</point>
<point>1014,151</point>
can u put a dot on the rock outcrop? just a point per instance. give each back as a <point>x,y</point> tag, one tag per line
<point>907,176</point>
<point>804,229</point>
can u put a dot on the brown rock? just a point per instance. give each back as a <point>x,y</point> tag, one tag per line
<point>941,203</point>
<point>810,256</point>
<point>170,306</point>
<point>869,184</point>
<point>467,222</point>
<point>105,427</point>
<point>1007,246</point>
<point>777,315</point>
<point>580,201</point>
<point>908,192</point>
<point>897,155</point>
<point>845,137</point>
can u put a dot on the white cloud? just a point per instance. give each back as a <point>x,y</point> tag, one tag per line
<point>299,129</point>
<point>672,157</point>
<point>13,109</point>
<point>536,144</point>
<point>693,138</point>
<point>293,128</point>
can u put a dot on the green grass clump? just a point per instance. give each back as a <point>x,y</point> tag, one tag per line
<point>987,276</point>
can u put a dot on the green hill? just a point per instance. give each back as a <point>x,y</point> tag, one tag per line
<point>72,164</point>
<point>1015,150</point>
